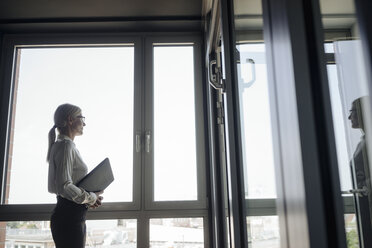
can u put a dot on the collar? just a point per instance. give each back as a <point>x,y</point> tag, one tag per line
<point>64,137</point>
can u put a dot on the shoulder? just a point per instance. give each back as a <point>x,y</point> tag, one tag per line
<point>67,144</point>
<point>64,147</point>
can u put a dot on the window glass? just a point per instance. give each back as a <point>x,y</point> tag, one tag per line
<point>175,167</point>
<point>351,228</point>
<point>255,120</point>
<point>176,232</point>
<point>100,233</point>
<point>339,127</point>
<point>328,47</point>
<point>100,80</point>
<point>263,231</point>
<point>351,113</point>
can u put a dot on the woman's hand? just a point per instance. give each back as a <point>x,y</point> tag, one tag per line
<point>98,201</point>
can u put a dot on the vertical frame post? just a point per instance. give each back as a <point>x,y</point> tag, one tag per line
<point>309,197</point>
<point>235,171</point>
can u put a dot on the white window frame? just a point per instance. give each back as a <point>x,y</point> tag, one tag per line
<point>10,45</point>
<point>142,208</point>
<point>200,203</point>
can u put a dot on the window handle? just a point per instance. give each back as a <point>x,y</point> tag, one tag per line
<point>138,142</point>
<point>248,84</point>
<point>253,69</point>
<point>148,141</point>
<point>359,192</point>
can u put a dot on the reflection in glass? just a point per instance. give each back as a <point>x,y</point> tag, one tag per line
<point>174,124</point>
<point>255,119</point>
<point>256,124</point>
<point>177,232</point>
<point>100,234</point>
<point>100,80</point>
<point>339,128</point>
<point>351,114</point>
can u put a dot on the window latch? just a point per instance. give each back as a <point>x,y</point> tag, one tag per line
<point>138,141</point>
<point>359,192</point>
<point>148,141</point>
<point>214,69</point>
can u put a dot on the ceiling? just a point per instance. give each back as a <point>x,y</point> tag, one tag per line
<point>143,15</point>
<point>336,14</point>
<point>113,14</point>
<point>39,9</point>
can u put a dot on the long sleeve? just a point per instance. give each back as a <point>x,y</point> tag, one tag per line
<point>64,160</point>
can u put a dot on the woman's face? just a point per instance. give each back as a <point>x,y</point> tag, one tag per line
<point>78,124</point>
<point>353,117</point>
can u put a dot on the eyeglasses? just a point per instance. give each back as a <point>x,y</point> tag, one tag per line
<point>82,118</point>
<point>352,110</point>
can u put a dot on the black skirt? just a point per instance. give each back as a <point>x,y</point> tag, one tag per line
<point>68,224</point>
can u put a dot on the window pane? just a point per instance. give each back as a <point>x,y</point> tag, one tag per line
<point>263,232</point>
<point>100,233</point>
<point>351,230</point>
<point>112,233</point>
<point>256,129</point>
<point>97,79</point>
<point>328,48</point>
<point>179,232</point>
<point>339,127</point>
<point>174,124</point>
<point>351,113</point>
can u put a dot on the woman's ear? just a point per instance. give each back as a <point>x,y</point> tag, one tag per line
<point>70,120</point>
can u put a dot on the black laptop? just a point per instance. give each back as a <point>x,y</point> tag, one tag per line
<point>99,178</point>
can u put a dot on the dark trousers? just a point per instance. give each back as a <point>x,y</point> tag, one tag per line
<point>68,224</point>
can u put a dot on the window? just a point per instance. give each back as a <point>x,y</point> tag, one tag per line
<point>351,113</point>
<point>179,232</point>
<point>263,231</point>
<point>174,143</point>
<point>257,126</point>
<point>104,233</point>
<point>140,112</point>
<point>99,80</point>
<point>256,122</point>
<point>174,124</point>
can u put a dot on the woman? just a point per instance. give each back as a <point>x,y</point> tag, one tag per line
<point>360,162</point>
<point>66,168</point>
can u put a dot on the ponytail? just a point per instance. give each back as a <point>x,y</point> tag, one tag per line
<point>52,140</point>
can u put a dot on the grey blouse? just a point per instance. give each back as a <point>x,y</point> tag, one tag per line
<point>66,168</point>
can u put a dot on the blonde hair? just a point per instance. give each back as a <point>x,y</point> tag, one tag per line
<point>61,115</point>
